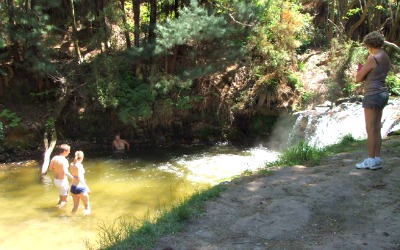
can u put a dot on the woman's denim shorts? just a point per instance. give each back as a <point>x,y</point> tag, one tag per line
<point>376,101</point>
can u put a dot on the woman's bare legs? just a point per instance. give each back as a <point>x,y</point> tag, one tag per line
<point>373,126</point>
<point>86,203</point>
<point>85,199</point>
<point>76,199</point>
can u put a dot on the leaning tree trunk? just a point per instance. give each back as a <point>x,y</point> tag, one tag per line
<point>50,135</point>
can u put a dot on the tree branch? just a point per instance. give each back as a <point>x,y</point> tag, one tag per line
<point>392,45</point>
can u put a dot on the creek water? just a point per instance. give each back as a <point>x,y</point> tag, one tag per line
<point>141,183</point>
<point>137,184</point>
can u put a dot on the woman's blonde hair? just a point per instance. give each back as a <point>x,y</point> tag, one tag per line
<point>374,40</point>
<point>78,156</point>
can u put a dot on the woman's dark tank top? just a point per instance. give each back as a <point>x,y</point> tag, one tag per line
<point>375,82</point>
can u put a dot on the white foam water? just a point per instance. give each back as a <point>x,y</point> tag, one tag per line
<point>323,128</point>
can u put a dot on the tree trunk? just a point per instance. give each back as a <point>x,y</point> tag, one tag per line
<point>126,32</point>
<point>394,35</point>
<point>50,126</point>
<point>15,47</point>
<point>170,60</point>
<point>176,8</point>
<point>104,24</point>
<point>362,19</point>
<point>136,17</point>
<point>50,133</point>
<point>393,46</point>
<point>153,21</point>
<point>74,33</point>
<point>331,20</point>
<point>342,17</point>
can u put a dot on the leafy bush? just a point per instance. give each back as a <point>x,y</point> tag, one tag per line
<point>10,118</point>
<point>393,82</point>
<point>7,118</point>
<point>302,153</point>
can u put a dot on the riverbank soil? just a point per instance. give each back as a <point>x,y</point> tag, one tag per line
<point>329,206</point>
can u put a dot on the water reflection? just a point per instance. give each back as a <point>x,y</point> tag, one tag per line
<point>136,184</point>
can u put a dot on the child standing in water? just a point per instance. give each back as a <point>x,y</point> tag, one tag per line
<point>79,189</point>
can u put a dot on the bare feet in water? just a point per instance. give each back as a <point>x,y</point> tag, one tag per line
<point>62,204</point>
<point>86,212</point>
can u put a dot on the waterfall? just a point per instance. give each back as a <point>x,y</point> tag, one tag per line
<point>324,127</point>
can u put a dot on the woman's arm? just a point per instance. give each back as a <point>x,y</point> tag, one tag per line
<point>366,68</point>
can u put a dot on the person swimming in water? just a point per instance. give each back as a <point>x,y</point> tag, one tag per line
<point>120,144</point>
<point>79,188</point>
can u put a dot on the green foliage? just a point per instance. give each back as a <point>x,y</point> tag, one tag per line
<point>393,82</point>
<point>204,131</point>
<point>346,140</point>
<point>301,65</point>
<point>34,34</point>
<point>298,85</point>
<point>343,56</point>
<point>303,154</point>
<point>263,172</point>
<point>9,118</point>
<point>282,29</point>
<point>247,172</point>
<point>261,125</point>
<point>50,123</point>
<point>170,84</point>
<point>300,153</point>
<point>353,12</point>
<point>360,54</point>
<point>350,88</point>
<point>176,89</point>
<point>114,86</point>
<point>193,24</point>
<point>209,50</point>
<point>135,103</point>
<point>184,102</point>
<point>105,79</point>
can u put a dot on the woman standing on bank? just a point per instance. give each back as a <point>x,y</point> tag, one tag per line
<point>376,96</point>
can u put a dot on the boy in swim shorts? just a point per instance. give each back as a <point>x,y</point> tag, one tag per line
<point>59,166</point>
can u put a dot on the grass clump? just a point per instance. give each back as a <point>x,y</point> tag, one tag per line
<point>304,154</point>
<point>131,233</point>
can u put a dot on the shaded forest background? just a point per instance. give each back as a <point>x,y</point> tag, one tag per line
<point>175,71</point>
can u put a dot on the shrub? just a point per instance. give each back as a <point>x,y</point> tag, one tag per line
<point>393,82</point>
